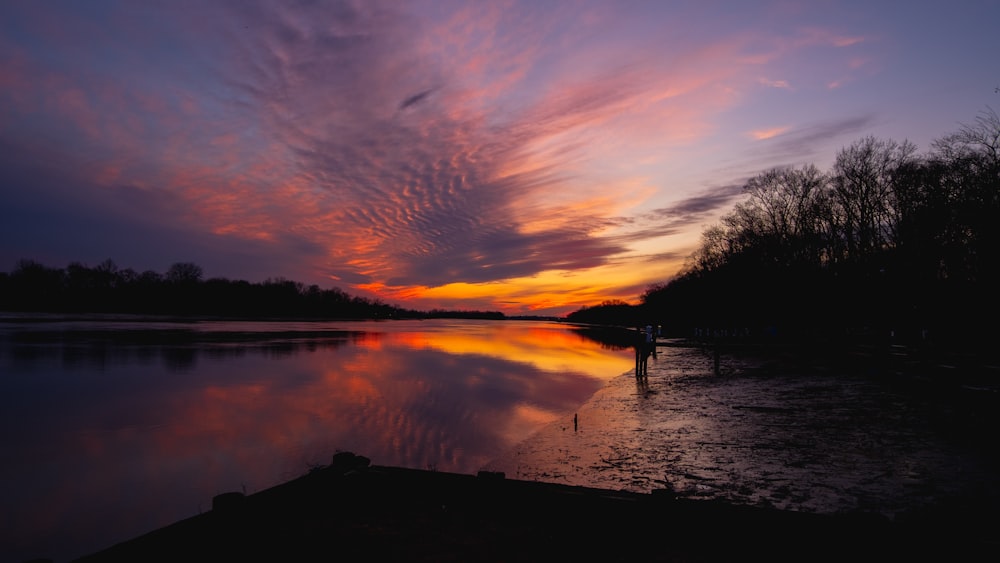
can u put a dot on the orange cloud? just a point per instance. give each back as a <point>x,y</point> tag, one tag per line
<point>763,134</point>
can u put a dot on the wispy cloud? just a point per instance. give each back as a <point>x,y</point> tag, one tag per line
<point>794,145</point>
<point>823,36</point>
<point>414,99</point>
<point>397,147</point>
<point>693,209</point>
<point>762,134</point>
<point>782,84</point>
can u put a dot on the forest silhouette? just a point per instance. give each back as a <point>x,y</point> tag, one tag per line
<point>182,291</point>
<point>888,243</point>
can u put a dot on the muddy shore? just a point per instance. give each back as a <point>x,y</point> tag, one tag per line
<point>888,435</point>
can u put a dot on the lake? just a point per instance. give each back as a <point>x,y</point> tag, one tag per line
<point>115,426</point>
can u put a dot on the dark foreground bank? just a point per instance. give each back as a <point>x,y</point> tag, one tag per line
<point>351,509</point>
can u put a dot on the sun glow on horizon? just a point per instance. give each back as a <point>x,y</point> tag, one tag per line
<point>554,293</point>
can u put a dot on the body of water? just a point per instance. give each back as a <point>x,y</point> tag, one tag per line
<point>112,427</point>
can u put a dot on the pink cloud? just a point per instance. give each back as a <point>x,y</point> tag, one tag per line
<point>782,84</point>
<point>820,36</point>
<point>763,134</point>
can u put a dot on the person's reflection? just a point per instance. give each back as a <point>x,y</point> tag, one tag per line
<point>642,385</point>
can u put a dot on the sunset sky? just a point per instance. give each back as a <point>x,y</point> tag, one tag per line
<point>530,157</point>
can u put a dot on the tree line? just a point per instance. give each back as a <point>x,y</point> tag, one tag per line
<point>183,291</point>
<point>888,241</point>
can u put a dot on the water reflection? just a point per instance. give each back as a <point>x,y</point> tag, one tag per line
<point>107,433</point>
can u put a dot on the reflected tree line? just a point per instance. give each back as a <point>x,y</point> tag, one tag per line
<point>887,242</point>
<point>106,288</point>
<point>177,349</point>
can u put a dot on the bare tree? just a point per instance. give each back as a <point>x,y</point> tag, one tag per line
<point>864,190</point>
<point>713,251</point>
<point>969,182</point>
<point>979,140</point>
<point>184,272</point>
<point>783,221</point>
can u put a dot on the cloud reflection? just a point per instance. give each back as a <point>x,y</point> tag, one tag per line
<point>133,434</point>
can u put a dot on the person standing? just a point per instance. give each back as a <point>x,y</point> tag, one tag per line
<point>645,346</point>
<point>640,348</point>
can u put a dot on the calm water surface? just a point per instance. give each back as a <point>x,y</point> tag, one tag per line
<point>111,428</point>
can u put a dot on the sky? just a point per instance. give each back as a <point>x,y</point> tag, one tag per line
<point>526,157</point>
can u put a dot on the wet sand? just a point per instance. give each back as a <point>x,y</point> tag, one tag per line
<point>884,438</point>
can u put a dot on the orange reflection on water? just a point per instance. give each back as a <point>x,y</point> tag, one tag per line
<point>547,346</point>
<point>160,441</point>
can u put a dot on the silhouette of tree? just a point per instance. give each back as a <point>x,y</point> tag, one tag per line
<point>864,181</point>
<point>105,288</point>
<point>888,241</point>
<point>34,286</point>
<point>184,272</point>
<point>965,179</point>
<point>781,221</point>
<point>609,312</point>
